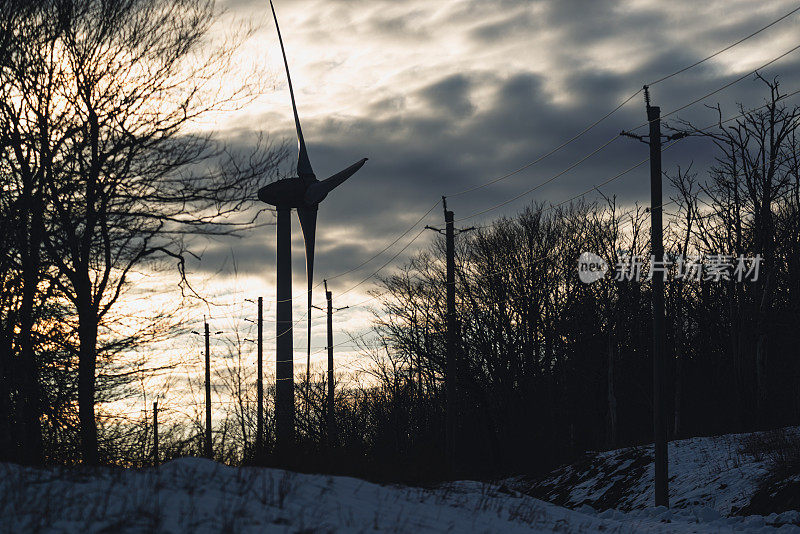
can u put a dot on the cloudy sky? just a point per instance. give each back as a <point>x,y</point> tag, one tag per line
<point>448,94</point>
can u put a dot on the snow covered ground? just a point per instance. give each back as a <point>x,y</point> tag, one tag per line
<point>720,473</point>
<point>195,495</point>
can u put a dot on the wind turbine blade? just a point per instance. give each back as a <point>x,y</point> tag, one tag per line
<point>317,192</point>
<point>308,223</point>
<point>304,169</point>
<point>341,176</point>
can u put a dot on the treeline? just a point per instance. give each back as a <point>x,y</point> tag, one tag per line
<point>550,366</point>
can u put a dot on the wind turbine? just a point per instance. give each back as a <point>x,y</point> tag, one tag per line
<point>303,193</point>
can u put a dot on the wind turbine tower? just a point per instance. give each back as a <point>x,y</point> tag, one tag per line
<point>303,193</point>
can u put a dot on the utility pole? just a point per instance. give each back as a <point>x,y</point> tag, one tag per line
<point>260,381</point>
<point>450,385</point>
<point>451,363</point>
<point>331,420</point>
<point>329,401</point>
<point>260,433</point>
<point>658,272</point>
<point>657,244</point>
<point>208,452</point>
<point>155,434</point>
<point>332,431</point>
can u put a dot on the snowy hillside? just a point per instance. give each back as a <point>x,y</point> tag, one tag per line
<point>193,495</point>
<point>730,474</point>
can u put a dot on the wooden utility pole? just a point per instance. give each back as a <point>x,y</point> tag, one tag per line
<point>207,449</point>
<point>657,245</point>
<point>329,402</point>
<point>451,362</point>
<point>155,434</point>
<point>658,272</point>
<point>450,373</point>
<point>260,380</point>
<point>331,414</point>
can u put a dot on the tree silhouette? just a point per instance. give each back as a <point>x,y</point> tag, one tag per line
<point>101,108</point>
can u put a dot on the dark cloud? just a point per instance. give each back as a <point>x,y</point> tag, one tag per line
<point>450,94</point>
<point>506,29</point>
<point>587,21</point>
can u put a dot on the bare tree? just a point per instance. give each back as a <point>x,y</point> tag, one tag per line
<point>751,183</point>
<point>108,109</point>
<point>25,159</point>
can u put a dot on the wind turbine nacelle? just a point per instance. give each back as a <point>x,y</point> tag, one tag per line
<point>304,192</point>
<point>316,193</point>
<point>286,193</point>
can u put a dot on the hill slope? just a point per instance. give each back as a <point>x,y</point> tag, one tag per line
<point>731,474</point>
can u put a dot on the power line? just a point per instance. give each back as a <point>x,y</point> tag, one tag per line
<point>727,85</point>
<point>718,52</point>
<point>542,184</point>
<point>620,106</point>
<point>385,264</point>
<point>645,160</point>
<point>610,141</point>
<point>371,258</point>
<point>673,143</point>
<point>550,153</point>
<point>390,245</point>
